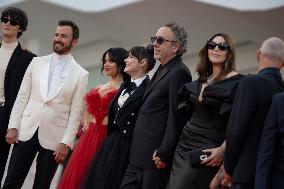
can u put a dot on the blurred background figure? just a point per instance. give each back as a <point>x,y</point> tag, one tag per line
<point>270,165</point>
<point>251,105</point>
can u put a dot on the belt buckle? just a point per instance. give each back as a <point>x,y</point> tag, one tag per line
<point>2,104</point>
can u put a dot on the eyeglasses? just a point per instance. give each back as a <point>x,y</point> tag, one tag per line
<point>160,40</point>
<point>12,22</point>
<point>223,46</point>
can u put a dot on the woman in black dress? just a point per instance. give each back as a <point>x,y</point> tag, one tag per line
<point>108,166</point>
<point>205,105</point>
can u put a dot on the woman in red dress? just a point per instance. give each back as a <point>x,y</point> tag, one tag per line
<point>95,118</point>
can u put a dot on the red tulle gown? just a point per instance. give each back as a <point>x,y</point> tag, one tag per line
<point>89,141</point>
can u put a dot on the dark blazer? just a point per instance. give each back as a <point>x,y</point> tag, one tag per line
<point>270,159</point>
<point>125,117</point>
<point>246,122</point>
<point>15,71</point>
<point>14,74</point>
<point>157,126</point>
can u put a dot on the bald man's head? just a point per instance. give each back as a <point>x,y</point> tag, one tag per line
<point>273,48</point>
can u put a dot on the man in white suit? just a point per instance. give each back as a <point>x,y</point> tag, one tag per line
<point>47,111</point>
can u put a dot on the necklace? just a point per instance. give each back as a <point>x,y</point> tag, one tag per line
<point>210,80</point>
<point>108,86</point>
<point>116,84</point>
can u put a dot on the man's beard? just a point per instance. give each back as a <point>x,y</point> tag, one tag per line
<point>62,49</point>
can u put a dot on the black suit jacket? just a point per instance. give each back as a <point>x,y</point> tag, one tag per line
<point>246,122</point>
<point>15,71</point>
<point>271,148</point>
<point>125,117</point>
<point>157,126</point>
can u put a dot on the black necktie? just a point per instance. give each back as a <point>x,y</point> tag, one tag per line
<point>130,87</point>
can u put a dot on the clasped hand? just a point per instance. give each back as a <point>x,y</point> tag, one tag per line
<point>61,152</point>
<point>158,162</point>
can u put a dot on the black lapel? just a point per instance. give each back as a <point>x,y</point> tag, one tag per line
<point>114,100</point>
<point>157,79</point>
<point>162,73</point>
<point>138,93</point>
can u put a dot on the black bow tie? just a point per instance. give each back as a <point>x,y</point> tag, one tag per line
<point>130,87</point>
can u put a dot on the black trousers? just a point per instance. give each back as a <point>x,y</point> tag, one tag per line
<point>242,186</point>
<point>4,146</point>
<point>277,179</point>
<point>21,160</point>
<point>137,178</point>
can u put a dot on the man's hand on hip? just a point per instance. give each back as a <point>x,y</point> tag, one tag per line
<point>61,152</point>
<point>12,136</point>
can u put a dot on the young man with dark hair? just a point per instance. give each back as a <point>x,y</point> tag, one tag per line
<point>14,62</point>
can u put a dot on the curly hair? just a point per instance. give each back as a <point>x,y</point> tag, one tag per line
<point>181,36</point>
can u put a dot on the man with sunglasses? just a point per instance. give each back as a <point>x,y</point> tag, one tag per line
<point>13,64</point>
<point>249,111</point>
<point>157,127</point>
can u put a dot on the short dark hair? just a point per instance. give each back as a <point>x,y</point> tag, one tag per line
<point>205,67</point>
<point>117,55</point>
<point>75,28</point>
<point>19,15</point>
<point>144,53</point>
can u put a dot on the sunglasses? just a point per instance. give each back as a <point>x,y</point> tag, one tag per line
<point>160,40</point>
<point>12,22</point>
<point>221,46</point>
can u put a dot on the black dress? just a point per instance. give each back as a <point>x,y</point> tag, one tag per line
<point>108,166</point>
<point>205,127</point>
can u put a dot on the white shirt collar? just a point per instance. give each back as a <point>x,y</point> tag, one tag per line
<point>139,80</point>
<point>56,58</point>
<point>9,46</point>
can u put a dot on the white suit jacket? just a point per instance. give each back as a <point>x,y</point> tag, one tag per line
<point>56,117</point>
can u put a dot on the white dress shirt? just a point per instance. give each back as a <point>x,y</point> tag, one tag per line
<point>123,97</point>
<point>56,68</point>
<point>6,52</point>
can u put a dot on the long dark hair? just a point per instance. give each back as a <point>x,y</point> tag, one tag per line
<point>205,67</point>
<point>117,55</point>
